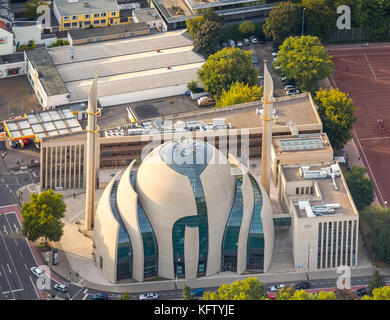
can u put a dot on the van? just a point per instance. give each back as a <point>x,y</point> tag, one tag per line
<point>197,292</point>
<point>206,101</point>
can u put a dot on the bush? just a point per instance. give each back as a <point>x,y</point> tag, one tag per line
<point>192,86</point>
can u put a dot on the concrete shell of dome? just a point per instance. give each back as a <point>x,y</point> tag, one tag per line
<point>167,196</point>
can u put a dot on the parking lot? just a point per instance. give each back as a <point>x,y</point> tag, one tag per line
<point>17,97</point>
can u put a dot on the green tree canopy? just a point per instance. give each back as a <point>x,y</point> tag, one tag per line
<point>239,93</point>
<point>283,21</point>
<point>125,296</point>
<point>305,60</point>
<point>42,216</point>
<point>336,112</point>
<point>375,228</point>
<point>248,289</point>
<point>206,39</point>
<point>377,281</point>
<point>226,67</point>
<point>247,28</point>
<point>382,293</point>
<point>289,293</point>
<point>375,14</point>
<point>361,187</point>
<point>31,8</point>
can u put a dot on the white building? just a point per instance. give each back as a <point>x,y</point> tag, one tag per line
<point>150,16</point>
<point>6,39</point>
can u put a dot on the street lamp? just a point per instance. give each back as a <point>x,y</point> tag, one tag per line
<point>303,19</point>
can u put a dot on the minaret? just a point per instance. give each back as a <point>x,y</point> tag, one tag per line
<point>92,130</point>
<point>267,118</point>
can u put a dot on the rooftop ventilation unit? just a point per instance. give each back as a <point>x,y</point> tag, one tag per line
<point>332,172</point>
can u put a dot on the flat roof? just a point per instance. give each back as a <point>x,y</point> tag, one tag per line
<point>297,109</point>
<point>146,14</point>
<point>328,192</point>
<point>47,72</point>
<point>41,124</point>
<point>302,143</point>
<point>12,58</point>
<point>77,7</point>
<point>128,65</point>
<point>78,34</point>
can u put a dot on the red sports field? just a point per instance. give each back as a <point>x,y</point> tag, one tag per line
<point>364,73</point>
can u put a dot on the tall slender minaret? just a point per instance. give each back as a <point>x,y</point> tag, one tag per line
<point>267,118</point>
<point>92,130</point>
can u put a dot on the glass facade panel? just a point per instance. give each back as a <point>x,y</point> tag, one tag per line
<point>232,230</point>
<point>125,253</point>
<point>148,239</point>
<point>189,158</point>
<point>255,245</point>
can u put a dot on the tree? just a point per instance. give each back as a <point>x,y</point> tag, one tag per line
<point>42,216</point>
<point>224,68</point>
<point>305,60</point>
<point>290,293</point>
<point>382,293</point>
<point>187,293</point>
<point>375,228</point>
<point>283,21</point>
<point>361,188</point>
<point>125,296</point>
<point>320,18</point>
<point>377,281</point>
<point>375,15</point>
<point>194,24</point>
<point>336,112</point>
<point>286,293</point>
<point>239,93</point>
<point>248,289</point>
<point>31,8</point>
<point>206,39</point>
<point>247,28</point>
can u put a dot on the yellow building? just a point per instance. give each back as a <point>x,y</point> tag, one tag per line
<point>79,14</point>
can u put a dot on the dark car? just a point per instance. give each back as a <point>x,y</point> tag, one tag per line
<point>302,286</point>
<point>100,296</point>
<point>362,291</point>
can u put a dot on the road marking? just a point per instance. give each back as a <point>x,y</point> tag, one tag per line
<point>25,265</point>
<point>5,230</point>
<point>16,228</point>
<point>9,269</point>
<point>34,174</point>
<point>76,293</point>
<point>32,282</point>
<point>85,291</point>
<point>85,297</point>
<point>20,254</point>
<point>370,66</point>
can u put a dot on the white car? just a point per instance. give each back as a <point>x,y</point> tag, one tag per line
<point>253,39</point>
<point>289,87</point>
<point>231,43</point>
<point>239,43</point>
<point>61,287</point>
<point>292,92</point>
<point>36,272</point>
<point>148,296</point>
<point>277,287</point>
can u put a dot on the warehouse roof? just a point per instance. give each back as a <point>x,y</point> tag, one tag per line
<point>76,7</point>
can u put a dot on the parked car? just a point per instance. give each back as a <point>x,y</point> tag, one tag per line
<point>61,287</point>
<point>197,292</point>
<point>239,44</point>
<point>292,92</point>
<point>302,286</point>
<point>247,42</point>
<point>100,296</point>
<point>36,272</point>
<point>277,287</point>
<point>148,296</point>
<point>362,291</point>
<point>224,44</point>
<point>253,39</point>
<point>289,87</point>
<point>206,101</point>
<point>271,296</point>
<point>231,43</point>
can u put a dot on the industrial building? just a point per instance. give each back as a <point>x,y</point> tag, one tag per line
<point>130,70</point>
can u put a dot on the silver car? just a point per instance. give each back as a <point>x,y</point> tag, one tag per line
<point>148,296</point>
<point>36,272</point>
<point>61,287</point>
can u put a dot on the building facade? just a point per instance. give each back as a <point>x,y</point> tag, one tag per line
<point>187,212</point>
<point>80,14</point>
<point>6,39</point>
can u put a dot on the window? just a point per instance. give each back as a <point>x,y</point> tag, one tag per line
<point>101,262</point>
<point>96,15</point>
<point>111,21</point>
<point>87,23</point>
<point>66,25</point>
<point>302,190</point>
<point>113,13</point>
<point>66,18</point>
<point>297,191</point>
<point>307,190</point>
<point>103,21</point>
<point>96,21</point>
<point>87,16</point>
<point>75,17</point>
<point>74,24</point>
<point>104,14</point>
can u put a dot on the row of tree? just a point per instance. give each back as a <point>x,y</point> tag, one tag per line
<point>252,289</point>
<point>320,18</point>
